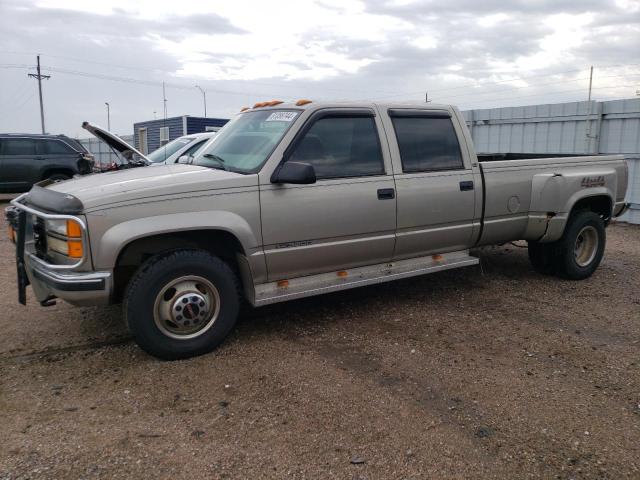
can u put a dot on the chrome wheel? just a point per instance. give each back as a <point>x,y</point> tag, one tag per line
<point>186,307</point>
<point>586,246</point>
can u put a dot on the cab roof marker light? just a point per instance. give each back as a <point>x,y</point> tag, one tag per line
<point>302,101</point>
<point>244,109</point>
<point>273,103</point>
<point>260,104</point>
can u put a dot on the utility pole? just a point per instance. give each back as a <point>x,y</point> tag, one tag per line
<point>39,77</point>
<point>108,116</point>
<point>590,81</point>
<point>164,101</point>
<point>204,98</point>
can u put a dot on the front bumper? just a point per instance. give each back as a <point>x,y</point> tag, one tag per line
<point>74,283</point>
<point>78,288</point>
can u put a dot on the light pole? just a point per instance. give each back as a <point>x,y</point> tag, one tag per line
<point>204,98</point>
<point>108,116</point>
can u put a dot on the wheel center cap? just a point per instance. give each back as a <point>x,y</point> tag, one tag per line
<point>189,309</point>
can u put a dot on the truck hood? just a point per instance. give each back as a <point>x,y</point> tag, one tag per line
<point>135,184</point>
<point>115,142</point>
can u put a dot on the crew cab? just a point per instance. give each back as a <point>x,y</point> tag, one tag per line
<point>300,199</point>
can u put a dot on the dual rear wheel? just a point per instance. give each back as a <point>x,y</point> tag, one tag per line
<point>578,252</point>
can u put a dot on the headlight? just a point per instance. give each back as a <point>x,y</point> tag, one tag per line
<point>68,228</point>
<point>65,237</point>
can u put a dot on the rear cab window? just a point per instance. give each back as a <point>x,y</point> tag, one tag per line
<point>427,140</point>
<point>341,146</point>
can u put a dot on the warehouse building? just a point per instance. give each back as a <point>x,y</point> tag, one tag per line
<point>152,134</point>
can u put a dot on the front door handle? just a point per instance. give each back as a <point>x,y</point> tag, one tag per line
<point>386,194</point>
<point>468,185</point>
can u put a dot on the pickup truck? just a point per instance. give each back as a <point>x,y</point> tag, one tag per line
<point>297,199</point>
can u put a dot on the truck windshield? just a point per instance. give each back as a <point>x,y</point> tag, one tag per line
<point>164,152</point>
<point>246,142</point>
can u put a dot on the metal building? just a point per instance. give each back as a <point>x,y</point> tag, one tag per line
<point>151,134</point>
<point>575,127</point>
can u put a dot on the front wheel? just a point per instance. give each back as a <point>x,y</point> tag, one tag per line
<point>581,247</point>
<point>182,304</point>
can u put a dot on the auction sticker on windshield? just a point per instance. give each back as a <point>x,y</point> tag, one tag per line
<point>281,117</point>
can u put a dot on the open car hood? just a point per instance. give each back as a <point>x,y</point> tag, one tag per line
<point>115,142</point>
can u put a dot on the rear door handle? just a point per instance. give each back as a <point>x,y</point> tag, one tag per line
<point>386,193</point>
<point>467,185</point>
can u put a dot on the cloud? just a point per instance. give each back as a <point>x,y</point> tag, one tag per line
<point>474,54</point>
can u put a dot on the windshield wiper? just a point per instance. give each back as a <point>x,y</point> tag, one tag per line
<point>218,159</point>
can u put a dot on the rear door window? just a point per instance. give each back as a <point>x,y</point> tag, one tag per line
<point>56,147</point>
<point>18,146</point>
<point>427,143</point>
<point>341,146</point>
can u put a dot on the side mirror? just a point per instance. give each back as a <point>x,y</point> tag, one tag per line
<point>294,172</point>
<point>184,159</point>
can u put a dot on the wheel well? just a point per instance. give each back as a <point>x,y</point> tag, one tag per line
<point>600,204</point>
<point>217,242</point>
<point>53,171</point>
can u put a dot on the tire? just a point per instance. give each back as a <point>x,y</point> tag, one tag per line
<point>181,304</point>
<point>542,257</point>
<point>581,247</point>
<point>58,177</point>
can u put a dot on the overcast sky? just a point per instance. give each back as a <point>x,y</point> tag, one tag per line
<point>472,53</point>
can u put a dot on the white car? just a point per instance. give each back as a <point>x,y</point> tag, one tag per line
<point>186,145</point>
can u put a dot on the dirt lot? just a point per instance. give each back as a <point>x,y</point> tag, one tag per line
<point>492,372</point>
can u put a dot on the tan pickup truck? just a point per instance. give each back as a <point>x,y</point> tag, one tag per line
<point>292,200</point>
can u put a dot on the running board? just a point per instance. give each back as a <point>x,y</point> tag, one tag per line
<point>307,286</point>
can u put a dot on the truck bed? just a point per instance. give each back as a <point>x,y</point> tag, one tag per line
<point>525,195</point>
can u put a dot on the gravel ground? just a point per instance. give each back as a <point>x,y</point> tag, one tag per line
<point>492,372</point>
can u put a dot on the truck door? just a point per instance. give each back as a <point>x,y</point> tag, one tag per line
<point>439,195</point>
<point>348,217</point>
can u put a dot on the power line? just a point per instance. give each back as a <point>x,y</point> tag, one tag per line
<point>17,93</point>
<point>231,92</point>
<point>155,70</point>
<point>515,79</point>
<point>538,85</point>
<point>25,102</point>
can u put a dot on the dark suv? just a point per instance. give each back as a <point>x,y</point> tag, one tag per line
<point>26,159</point>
